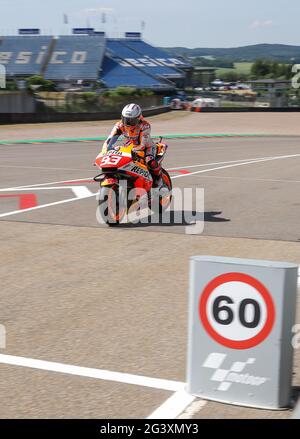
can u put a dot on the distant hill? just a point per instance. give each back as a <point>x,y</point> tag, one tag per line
<point>279,52</point>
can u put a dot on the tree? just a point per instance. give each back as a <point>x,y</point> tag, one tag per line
<point>260,68</point>
<point>275,69</point>
<point>271,70</point>
<point>127,91</point>
<point>40,83</point>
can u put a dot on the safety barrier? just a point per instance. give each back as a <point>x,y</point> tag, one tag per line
<point>246,110</point>
<point>12,118</point>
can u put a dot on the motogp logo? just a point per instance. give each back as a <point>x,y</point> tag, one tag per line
<point>231,375</point>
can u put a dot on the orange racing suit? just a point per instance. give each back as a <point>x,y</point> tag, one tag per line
<point>140,135</point>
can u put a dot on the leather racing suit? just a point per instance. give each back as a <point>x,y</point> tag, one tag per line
<point>140,136</point>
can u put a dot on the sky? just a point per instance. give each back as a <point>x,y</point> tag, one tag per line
<point>167,23</point>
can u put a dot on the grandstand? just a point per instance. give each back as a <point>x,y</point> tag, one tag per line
<point>24,56</point>
<point>74,59</point>
<point>115,74</point>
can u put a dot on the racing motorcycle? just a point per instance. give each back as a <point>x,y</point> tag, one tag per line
<point>126,181</point>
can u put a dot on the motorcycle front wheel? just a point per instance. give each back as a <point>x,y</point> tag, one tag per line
<point>112,205</point>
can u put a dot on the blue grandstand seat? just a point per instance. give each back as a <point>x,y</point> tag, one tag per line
<point>116,74</point>
<point>120,49</point>
<point>76,57</point>
<point>24,55</point>
<point>146,49</point>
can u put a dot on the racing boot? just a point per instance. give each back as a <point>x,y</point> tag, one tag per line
<point>157,179</point>
<point>155,170</point>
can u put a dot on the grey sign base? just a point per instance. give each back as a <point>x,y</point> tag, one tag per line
<point>251,406</point>
<point>241,314</point>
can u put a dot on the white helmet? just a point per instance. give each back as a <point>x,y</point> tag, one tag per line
<point>131,115</point>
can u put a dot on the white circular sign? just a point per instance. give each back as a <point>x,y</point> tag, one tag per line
<point>237,310</point>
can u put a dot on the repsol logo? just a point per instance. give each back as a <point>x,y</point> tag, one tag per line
<point>140,171</point>
<point>113,152</point>
<point>57,57</point>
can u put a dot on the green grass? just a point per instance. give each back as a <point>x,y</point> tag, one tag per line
<point>243,67</point>
<point>239,67</point>
<point>236,104</point>
<point>223,70</point>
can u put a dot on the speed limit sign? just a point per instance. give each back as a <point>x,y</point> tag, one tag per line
<point>241,315</point>
<point>237,310</point>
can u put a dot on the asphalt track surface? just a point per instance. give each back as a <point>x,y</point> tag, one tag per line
<point>76,293</point>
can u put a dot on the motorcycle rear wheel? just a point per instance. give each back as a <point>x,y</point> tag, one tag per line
<point>165,200</point>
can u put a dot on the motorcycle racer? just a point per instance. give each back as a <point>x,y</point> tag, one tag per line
<point>136,130</point>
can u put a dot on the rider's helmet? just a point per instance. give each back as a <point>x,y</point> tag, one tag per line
<point>131,115</point>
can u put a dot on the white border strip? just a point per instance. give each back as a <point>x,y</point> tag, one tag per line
<point>119,377</point>
<point>14,188</point>
<point>220,163</point>
<point>15,212</point>
<point>237,164</point>
<point>174,406</point>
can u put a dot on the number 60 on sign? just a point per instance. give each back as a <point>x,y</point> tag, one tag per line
<point>237,310</point>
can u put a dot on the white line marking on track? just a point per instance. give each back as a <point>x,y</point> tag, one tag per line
<point>79,191</point>
<point>202,171</point>
<point>221,163</point>
<point>266,180</point>
<point>82,192</point>
<point>45,168</point>
<point>193,409</point>
<point>174,406</point>
<point>44,184</point>
<point>176,176</point>
<point>16,212</point>
<point>119,377</point>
